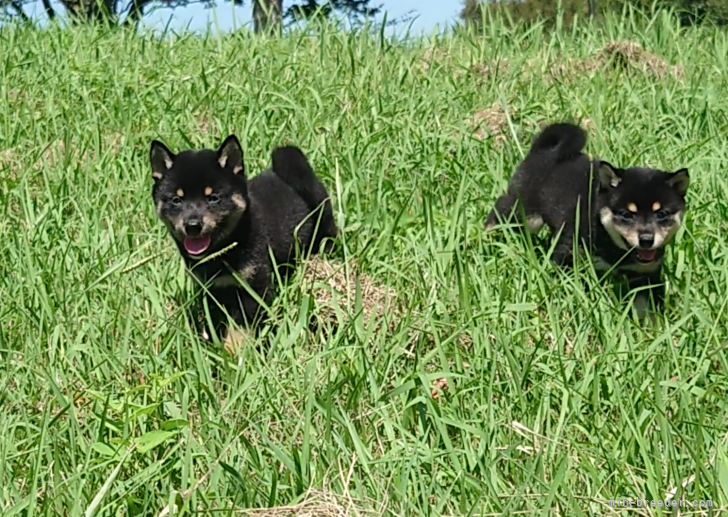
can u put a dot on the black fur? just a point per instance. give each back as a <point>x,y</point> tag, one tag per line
<point>624,216</point>
<point>205,193</point>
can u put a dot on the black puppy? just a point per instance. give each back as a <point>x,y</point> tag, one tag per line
<point>625,216</point>
<point>214,212</point>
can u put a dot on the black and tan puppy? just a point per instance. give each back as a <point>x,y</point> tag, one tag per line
<point>208,205</point>
<point>626,217</point>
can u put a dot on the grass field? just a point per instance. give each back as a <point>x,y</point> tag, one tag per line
<point>548,400</point>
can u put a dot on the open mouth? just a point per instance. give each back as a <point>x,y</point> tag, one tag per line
<point>197,245</point>
<point>644,255</point>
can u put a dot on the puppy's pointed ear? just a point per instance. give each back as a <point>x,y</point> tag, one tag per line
<point>608,175</point>
<point>679,181</point>
<point>230,155</point>
<point>161,158</point>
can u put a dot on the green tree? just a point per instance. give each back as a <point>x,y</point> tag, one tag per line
<point>689,11</point>
<point>268,15</point>
<point>526,10</point>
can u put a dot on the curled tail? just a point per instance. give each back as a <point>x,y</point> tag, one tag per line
<point>563,139</point>
<point>291,165</point>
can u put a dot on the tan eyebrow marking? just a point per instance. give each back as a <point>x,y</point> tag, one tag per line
<point>656,206</point>
<point>180,192</point>
<point>632,207</point>
<point>208,191</point>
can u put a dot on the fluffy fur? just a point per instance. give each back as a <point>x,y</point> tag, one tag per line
<point>208,205</point>
<point>626,217</point>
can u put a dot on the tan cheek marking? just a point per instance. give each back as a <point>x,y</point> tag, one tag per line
<point>209,222</point>
<point>157,175</point>
<point>237,169</point>
<point>605,215</point>
<point>208,191</point>
<point>179,225</point>
<point>160,205</point>
<point>239,201</point>
<point>180,192</point>
<point>656,206</point>
<point>630,235</point>
<point>632,207</point>
<point>662,237</point>
<point>668,233</point>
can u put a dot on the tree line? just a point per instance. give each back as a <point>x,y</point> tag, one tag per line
<point>268,15</point>
<point>690,12</point>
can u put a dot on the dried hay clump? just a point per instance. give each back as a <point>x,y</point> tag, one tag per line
<point>433,56</point>
<point>584,122</point>
<point>562,69</point>
<point>621,55</point>
<point>625,54</point>
<point>491,121</point>
<point>587,124</point>
<point>334,289</point>
<point>488,70</point>
<point>207,125</point>
<point>315,504</point>
<point>437,58</point>
<point>10,161</point>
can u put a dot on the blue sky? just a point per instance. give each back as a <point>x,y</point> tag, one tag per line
<point>428,14</point>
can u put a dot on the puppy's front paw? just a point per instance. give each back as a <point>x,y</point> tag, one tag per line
<point>235,340</point>
<point>644,311</point>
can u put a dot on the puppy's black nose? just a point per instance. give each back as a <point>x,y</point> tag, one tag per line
<point>193,227</point>
<point>646,240</point>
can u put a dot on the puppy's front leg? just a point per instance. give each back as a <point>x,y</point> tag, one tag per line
<point>652,294</point>
<point>248,315</point>
<point>563,254</point>
<point>237,305</point>
<point>504,211</point>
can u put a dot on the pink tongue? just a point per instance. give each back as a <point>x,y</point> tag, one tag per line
<point>646,255</point>
<point>197,245</point>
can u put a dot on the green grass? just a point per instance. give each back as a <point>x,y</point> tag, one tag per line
<point>556,403</point>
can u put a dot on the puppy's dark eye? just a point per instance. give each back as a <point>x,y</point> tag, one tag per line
<point>176,201</point>
<point>662,215</point>
<point>214,198</point>
<point>626,214</point>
